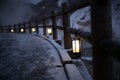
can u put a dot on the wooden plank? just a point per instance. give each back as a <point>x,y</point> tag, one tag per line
<point>73,72</point>
<point>65,58</point>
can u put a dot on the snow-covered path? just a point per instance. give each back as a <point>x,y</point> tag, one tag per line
<point>27,57</point>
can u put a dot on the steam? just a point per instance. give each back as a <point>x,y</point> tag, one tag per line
<point>16,11</point>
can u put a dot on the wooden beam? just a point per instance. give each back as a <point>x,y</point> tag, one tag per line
<point>80,4</point>
<point>36,25</point>
<point>29,23</point>
<point>9,28</point>
<point>85,35</point>
<point>54,25</point>
<point>15,29</point>
<point>66,28</point>
<point>44,27</point>
<point>101,30</point>
<point>24,27</point>
<point>19,27</point>
<point>1,29</point>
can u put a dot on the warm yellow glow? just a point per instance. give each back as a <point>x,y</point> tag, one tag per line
<point>49,30</point>
<point>22,30</point>
<point>33,29</point>
<point>76,46</point>
<point>12,30</point>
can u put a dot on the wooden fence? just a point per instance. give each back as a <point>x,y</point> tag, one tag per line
<point>101,37</point>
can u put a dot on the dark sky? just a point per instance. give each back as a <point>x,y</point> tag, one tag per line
<point>16,11</point>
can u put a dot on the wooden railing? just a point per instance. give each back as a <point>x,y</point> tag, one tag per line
<point>100,37</point>
<point>66,24</point>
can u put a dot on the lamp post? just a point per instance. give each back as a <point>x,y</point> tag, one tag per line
<point>76,48</point>
<point>33,29</point>
<point>21,30</point>
<point>12,30</point>
<point>49,30</point>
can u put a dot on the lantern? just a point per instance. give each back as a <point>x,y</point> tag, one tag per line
<point>33,29</point>
<point>76,44</point>
<point>22,30</point>
<point>12,30</point>
<point>49,30</point>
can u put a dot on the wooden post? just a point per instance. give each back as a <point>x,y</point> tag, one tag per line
<point>37,29</point>
<point>19,28</point>
<point>9,28</point>
<point>29,23</point>
<point>24,27</point>
<point>44,26</point>
<point>15,30</point>
<point>101,30</point>
<point>1,29</point>
<point>66,27</point>
<point>54,25</point>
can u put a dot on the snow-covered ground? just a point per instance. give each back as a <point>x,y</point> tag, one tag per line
<point>26,57</point>
<point>82,68</point>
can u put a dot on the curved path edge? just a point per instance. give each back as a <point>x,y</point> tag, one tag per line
<point>71,70</point>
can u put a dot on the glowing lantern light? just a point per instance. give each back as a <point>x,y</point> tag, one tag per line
<point>12,30</point>
<point>76,44</point>
<point>49,30</point>
<point>22,30</point>
<point>33,29</point>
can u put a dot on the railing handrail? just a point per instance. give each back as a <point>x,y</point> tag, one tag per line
<point>69,9</point>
